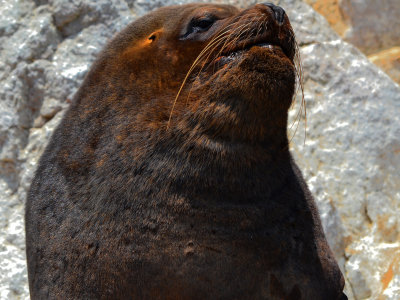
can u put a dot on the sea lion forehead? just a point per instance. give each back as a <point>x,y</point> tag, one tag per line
<point>220,10</point>
<point>178,16</point>
<point>193,8</point>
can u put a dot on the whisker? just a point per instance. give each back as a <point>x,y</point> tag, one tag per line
<point>299,75</point>
<point>217,39</point>
<point>210,52</point>
<point>244,31</point>
<point>234,40</point>
<point>227,40</point>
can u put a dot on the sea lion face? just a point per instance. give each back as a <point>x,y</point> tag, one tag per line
<point>246,73</point>
<point>227,73</point>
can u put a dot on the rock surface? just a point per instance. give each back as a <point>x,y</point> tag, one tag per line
<point>371,25</point>
<point>332,11</point>
<point>350,158</point>
<point>389,61</point>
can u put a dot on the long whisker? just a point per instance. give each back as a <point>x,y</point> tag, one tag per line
<point>190,71</point>
<point>238,36</point>
<point>229,37</point>
<point>299,72</point>
<point>244,31</point>
<point>240,30</point>
<point>259,27</point>
<point>237,32</point>
<point>227,40</point>
<point>210,52</point>
<point>214,41</point>
<point>218,38</point>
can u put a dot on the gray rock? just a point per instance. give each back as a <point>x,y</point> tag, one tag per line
<point>366,139</point>
<point>12,13</point>
<point>40,70</point>
<point>143,6</point>
<point>29,156</point>
<point>374,24</point>
<point>72,16</point>
<point>353,129</point>
<point>35,38</point>
<point>13,278</point>
<point>371,260</point>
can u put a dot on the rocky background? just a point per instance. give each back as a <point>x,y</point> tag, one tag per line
<point>371,25</point>
<point>350,155</point>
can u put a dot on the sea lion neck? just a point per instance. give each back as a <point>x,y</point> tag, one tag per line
<point>235,171</point>
<point>230,117</point>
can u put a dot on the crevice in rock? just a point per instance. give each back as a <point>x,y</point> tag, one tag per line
<point>367,216</point>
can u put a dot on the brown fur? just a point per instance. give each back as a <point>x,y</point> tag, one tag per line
<point>145,192</point>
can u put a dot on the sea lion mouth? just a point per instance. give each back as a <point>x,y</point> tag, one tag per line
<point>238,51</point>
<point>234,55</point>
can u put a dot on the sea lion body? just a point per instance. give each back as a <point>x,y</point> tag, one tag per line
<point>144,195</point>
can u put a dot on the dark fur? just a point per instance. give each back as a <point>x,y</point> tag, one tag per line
<point>211,208</point>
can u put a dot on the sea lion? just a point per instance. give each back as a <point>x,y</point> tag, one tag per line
<point>170,177</point>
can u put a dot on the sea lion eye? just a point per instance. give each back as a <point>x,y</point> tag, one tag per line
<point>202,24</point>
<point>198,25</point>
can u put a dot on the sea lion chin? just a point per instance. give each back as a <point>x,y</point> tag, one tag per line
<point>170,176</point>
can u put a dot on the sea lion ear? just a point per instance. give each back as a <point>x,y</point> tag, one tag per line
<point>153,37</point>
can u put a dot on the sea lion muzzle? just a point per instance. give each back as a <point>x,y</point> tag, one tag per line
<point>279,12</point>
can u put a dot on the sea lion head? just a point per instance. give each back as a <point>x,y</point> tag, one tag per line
<point>204,70</point>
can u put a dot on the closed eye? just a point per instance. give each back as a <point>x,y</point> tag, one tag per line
<point>198,25</point>
<point>202,24</point>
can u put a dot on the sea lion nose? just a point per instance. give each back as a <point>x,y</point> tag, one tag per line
<point>279,12</point>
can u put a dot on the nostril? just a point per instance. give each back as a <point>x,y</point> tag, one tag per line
<point>279,12</point>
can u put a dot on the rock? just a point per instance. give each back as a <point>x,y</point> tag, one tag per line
<point>350,156</point>
<point>144,6</point>
<point>40,70</point>
<point>332,11</point>
<point>74,56</point>
<point>36,38</point>
<point>359,152</point>
<point>309,27</point>
<point>12,13</point>
<point>354,157</point>
<point>382,260</point>
<point>72,16</point>
<point>373,25</point>
<point>13,278</point>
<point>29,156</point>
<point>389,61</point>
<point>369,26</point>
